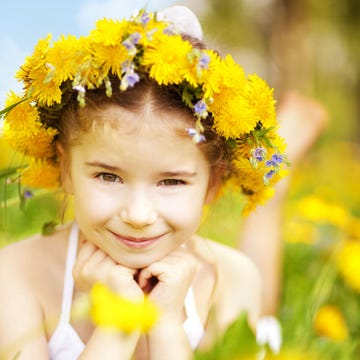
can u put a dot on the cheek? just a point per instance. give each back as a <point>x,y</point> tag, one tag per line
<point>184,212</point>
<point>93,205</point>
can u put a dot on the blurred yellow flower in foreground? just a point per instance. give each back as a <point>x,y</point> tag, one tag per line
<point>113,311</point>
<point>349,264</point>
<point>329,322</point>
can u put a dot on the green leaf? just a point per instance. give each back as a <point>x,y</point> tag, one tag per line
<point>49,227</point>
<point>238,340</point>
<point>187,96</point>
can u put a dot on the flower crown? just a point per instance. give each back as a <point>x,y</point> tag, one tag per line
<point>242,107</point>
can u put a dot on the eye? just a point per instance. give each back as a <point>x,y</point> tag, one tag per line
<point>171,182</point>
<point>107,177</point>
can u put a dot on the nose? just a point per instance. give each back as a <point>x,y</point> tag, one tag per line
<point>138,209</point>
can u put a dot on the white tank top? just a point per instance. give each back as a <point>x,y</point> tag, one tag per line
<point>65,343</point>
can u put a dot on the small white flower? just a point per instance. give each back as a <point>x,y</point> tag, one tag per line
<point>268,331</point>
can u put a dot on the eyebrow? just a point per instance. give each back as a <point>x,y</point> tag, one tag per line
<point>180,173</point>
<point>102,165</point>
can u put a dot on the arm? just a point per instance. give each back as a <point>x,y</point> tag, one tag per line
<point>174,274</point>
<point>21,320</point>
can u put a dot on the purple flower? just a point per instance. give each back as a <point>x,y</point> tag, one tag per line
<point>135,37</point>
<point>144,18</point>
<point>269,174</point>
<point>271,163</point>
<point>200,108</point>
<point>28,194</point>
<point>127,66</point>
<point>132,78</point>
<point>197,137</point>
<point>204,61</point>
<point>130,46</point>
<point>277,158</point>
<point>259,153</point>
<point>129,79</point>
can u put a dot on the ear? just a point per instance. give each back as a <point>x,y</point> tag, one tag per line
<point>64,158</point>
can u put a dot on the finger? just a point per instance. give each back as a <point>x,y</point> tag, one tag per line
<point>144,277</point>
<point>85,252</point>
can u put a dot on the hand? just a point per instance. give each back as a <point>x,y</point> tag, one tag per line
<point>93,265</point>
<point>168,280</point>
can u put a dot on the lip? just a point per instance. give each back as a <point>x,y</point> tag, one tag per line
<point>137,243</point>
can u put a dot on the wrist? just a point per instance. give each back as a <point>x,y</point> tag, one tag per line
<point>169,327</point>
<point>169,331</point>
<point>110,343</point>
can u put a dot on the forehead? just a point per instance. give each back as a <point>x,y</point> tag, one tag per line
<point>112,117</point>
<point>113,129</point>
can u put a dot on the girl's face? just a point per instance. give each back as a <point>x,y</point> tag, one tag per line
<point>139,187</point>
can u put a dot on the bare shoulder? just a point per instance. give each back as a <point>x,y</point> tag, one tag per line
<point>238,285</point>
<point>29,273</point>
<point>23,258</point>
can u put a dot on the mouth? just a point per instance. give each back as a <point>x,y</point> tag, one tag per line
<point>137,243</point>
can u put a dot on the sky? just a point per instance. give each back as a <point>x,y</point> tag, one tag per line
<point>24,22</point>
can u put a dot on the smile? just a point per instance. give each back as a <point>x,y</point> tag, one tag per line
<point>137,243</point>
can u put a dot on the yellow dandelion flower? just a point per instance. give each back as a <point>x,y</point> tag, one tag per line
<point>168,59</point>
<point>250,181</point>
<point>223,76</point>
<point>148,32</point>
<point>64,58</point>
<point>45,89</point>
<point>113,311</point>
<point>261,100</point>
<point>35,143</point>
<point>25,133</point>
<point>329,322</point>
<point>212,76</point>
<point>41,174</point>
<point>22,115</point>
<point>233,75</point>
<point>33,62</point>
<point>232,112</point>
<point>234,117</point>
<point>349,264</point>
<point>110,58</point>
<point>277,141</point>
<point>109,32</point>
<point>42,144</point>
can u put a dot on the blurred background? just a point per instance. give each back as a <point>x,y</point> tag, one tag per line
<point>310,46</point>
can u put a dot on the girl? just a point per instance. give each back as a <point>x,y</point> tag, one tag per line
<point>142,127</point>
